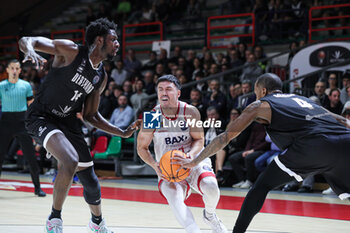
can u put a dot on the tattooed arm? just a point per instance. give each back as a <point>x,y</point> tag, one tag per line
<point>257,110</point>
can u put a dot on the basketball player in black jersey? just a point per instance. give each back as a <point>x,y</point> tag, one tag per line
<point>314,141</point>
<point>74,84</point>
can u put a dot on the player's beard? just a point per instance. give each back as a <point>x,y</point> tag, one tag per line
<point>109,56</point>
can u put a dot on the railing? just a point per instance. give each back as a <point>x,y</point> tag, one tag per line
<point>313,20</point>
<point>228,29</point>
<point>77,35</point>
<point>137,32</point>
<point>9,46</point>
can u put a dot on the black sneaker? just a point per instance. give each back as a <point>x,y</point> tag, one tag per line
<point>39,192</point>
<point>305,189</point>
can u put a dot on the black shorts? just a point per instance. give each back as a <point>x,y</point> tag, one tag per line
<point>42,126</point>
<point>320,154</point>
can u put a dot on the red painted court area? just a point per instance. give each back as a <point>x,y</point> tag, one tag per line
<point>273,206</point>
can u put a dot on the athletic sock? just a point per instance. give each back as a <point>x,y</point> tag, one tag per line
<point>96,219</point>
<point>55,214</point>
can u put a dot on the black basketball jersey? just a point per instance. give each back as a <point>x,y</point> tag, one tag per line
<point>294,117</point>
<point>64,89</point>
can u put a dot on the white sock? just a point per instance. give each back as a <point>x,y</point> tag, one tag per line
<point>211,194</point>
<point>193,228</point>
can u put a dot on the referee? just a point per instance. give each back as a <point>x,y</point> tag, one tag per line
<point>16,95</point>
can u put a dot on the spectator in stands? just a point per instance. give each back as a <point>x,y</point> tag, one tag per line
<point>191,55</point>
<point>343,94</point>
<point>263,160</point>
<point>90,16</point>
<point>259,54</point>
<point>121,116</point>
<point>320,88</point>
<point>235,91</point>
<point>106,104</point>
<point>3,73</point>
<point>163,58</point>
<point>298,25</point>
<point>182,64</point>
<point>131,64</point>
<point>244,100</point>
<point>293,48</point>
<point>279,17</point>
<point>119,74</point>
<point>211,133</point>
<point>150,87</point>
<point>242,47</point>
<point>185,91</point>
<point>215,97</point>
<point>252,71</point>
<point>256,145</point>
<point>196,100</point>
<point>138,99</point>
<point>117,91</point>
<point>335,105</point>
<point>150,65</point>
<point>208,59</point>
<point>160,69</point>
<point>332,83</point>
<point>202,86</point>
<point>127,89</point>
<point>177,54</point>
<point>197,67</point>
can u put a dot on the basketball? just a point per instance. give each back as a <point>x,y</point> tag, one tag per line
<point>169,170</point>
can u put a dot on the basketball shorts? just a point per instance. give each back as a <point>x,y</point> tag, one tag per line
<point>320,154</point>
<point>202,170</point>
<point>41,127</point>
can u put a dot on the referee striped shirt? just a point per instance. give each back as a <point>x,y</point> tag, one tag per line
<point>14,96</point>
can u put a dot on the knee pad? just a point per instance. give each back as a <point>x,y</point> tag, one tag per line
<point>92,189</point>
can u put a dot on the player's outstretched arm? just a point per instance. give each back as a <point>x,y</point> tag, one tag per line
<point>91,115</point>
<point>250,114</point>
<point>63,50</point>
<point>341,120</point>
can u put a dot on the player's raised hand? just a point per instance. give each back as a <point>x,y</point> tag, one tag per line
<point>35,58</point>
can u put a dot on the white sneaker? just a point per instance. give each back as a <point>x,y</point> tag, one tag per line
<point>238,185</point>
<point>246,185</point>
<point>215,223</point>
<point>328,191</point>
<point>54,225</point>
<point>101,228</point>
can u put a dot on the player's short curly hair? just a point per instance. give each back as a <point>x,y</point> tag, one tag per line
<point>269,81</point>
<point>170,78</point>
<point>99,27</point>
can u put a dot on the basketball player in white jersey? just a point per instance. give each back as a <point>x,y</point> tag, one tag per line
<point>188,139</point>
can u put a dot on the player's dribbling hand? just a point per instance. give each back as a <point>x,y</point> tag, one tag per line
<point>35,58</point>
<point>132,127</point>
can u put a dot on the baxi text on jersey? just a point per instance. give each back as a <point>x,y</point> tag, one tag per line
<point>210,123</point>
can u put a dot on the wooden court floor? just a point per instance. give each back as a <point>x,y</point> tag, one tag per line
<point>135,205</point>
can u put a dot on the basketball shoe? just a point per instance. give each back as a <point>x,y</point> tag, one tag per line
<point>214,222</point>
<point>54,225</point>
<point>101,228</point>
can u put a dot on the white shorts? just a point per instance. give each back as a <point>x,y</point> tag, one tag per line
<point>202,170</point>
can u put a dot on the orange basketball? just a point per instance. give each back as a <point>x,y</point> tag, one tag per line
<point>170,170</point>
